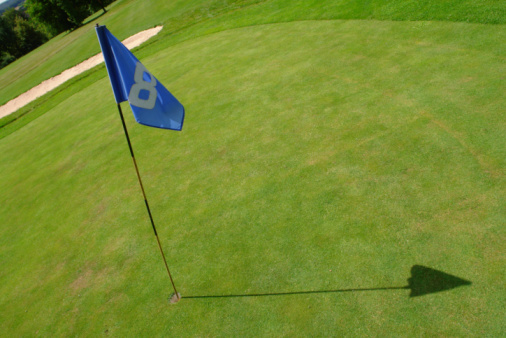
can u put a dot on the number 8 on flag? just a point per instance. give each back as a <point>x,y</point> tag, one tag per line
<point>135,91</point>
<point>152,104</point>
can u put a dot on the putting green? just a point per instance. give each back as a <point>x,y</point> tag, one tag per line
<point>315,156</point>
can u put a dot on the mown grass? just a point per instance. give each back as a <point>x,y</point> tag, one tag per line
<point>126,19</point>
<point>316,156</point>
<point>69,49</point>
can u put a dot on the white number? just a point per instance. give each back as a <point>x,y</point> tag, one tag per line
<point>139,85</point>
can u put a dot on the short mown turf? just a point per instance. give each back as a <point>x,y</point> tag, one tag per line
<point>316,157</point>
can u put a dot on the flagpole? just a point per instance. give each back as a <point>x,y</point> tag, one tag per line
<point>176,297</point>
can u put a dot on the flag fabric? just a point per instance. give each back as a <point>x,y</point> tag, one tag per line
<point>152,104</point>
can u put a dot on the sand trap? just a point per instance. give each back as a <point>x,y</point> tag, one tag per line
<point>48,85</point>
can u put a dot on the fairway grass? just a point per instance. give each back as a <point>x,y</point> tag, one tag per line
<point>317,156</point>
<point>185,19</point>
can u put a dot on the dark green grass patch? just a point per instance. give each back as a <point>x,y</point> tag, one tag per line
<point>315,157</point>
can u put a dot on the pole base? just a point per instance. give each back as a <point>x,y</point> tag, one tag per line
<point>175,298</point>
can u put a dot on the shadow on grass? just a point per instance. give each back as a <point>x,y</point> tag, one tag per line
<point>93,18</point>
<point>423,281</point>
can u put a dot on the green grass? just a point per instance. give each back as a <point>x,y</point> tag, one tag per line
<point>125,19</point>
<point>316,155</point>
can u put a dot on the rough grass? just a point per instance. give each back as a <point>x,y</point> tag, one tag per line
<point>316,156</point>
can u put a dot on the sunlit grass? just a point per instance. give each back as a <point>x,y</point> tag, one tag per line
<point>315,156</point>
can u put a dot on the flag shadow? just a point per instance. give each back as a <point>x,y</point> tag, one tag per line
<point>423,281</point>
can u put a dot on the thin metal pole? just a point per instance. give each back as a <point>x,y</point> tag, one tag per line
<point>146,201</point>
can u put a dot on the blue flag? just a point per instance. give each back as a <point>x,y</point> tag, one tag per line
<point>152,104</point>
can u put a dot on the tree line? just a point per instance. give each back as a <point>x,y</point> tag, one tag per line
<point>25,28</point>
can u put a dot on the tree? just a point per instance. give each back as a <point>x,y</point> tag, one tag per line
<point>62,15</point>
<point>18,36</point>
<point>28,36</point>
<point>77,10</point>
<point>7,36</point>
<point>7,43</point>
<point>99,4</point>
<point>48,13</point>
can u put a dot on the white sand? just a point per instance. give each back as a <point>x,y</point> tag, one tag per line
<point>48,85</point>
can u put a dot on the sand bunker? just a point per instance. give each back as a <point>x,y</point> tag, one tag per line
<point>48,85</point>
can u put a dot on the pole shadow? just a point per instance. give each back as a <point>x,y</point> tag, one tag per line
<point>423,281</point>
